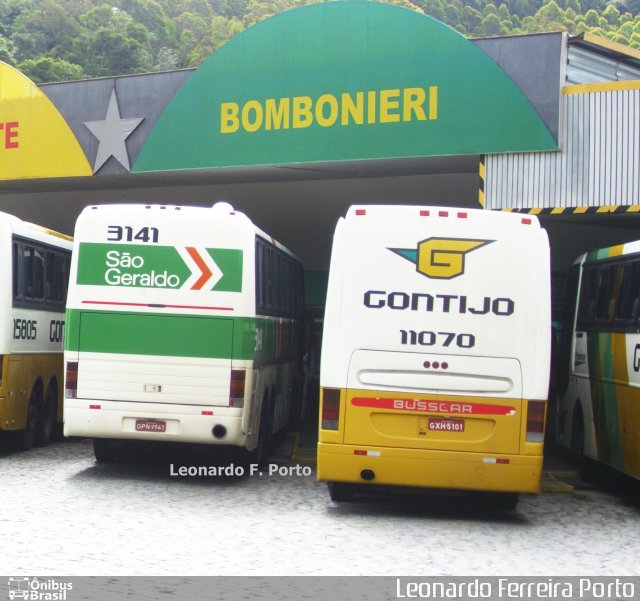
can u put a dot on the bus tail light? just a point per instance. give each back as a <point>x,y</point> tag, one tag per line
<point>330,408</point>
<point>71,380</point>
<point>236,388</point>
<point>535,421</point>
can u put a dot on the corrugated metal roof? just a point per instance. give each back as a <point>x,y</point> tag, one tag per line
<point>592,59</point>
<point>599,162</point>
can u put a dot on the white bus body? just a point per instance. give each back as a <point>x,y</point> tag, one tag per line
<point>179,327</point>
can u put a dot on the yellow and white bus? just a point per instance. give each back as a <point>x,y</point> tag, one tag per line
<point>35,266</point>
<point>435,353</point>
<point>183,325</point>
<point>598,414</point>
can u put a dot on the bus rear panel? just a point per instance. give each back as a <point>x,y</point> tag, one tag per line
<point>169,336</point>
<point>435,354</point>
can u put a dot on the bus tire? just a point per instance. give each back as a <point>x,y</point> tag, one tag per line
<point>260,454</point>
<point>46,423</point>
<point>27,437</point>
<point>585,465</point>
<point>341,492</point>
<point>506,501</point>
<point>105,450</point>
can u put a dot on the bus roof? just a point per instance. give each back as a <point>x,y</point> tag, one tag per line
<point>220,207</point>
<point>411,211</point>
<point>28,229</point>
<point>609,252</point>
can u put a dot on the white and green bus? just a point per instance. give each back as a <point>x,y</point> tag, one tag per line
<point>598,413</point>
<point>436,350</point>
<point>183,324</point>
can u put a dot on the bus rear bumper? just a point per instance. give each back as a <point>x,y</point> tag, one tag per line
<point>429,469</point>
<point>182,425</point>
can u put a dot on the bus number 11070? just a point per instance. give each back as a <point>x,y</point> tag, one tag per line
<point>426,338</point>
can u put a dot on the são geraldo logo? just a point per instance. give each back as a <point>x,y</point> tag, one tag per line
<point>441,258</point>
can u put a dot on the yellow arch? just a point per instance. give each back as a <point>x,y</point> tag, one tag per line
<point>35,140</point>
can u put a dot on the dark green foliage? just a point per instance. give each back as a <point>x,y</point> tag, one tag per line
<point>46,69</point>
<point>69,39</point>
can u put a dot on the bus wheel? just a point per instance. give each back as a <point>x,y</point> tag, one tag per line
<point>47,419</point>
<point>260,455</point>
<point>340,492</point>
<point>506,501</point>
<point>105,450</point>
<point>27,437</point>
<point>585,465</point>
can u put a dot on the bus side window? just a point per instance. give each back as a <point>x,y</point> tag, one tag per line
<point>270,270</point>
<point>615,287</point>
<point>259,275</point>
<point>588,297</point>
<point>564,361</point>
<point>17,256</point>
<point>27,269</point>
<point>629,296</point>
<point>56,280</point>
<point>278,281</point>
<point>635,292</point>
<point>40,275</point>
<point>33,273</point>
<point>604,294</point>
<point>48,277</point>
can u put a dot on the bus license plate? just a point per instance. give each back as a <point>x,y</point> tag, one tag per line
<point>149,425</point>
<point>443,424</point>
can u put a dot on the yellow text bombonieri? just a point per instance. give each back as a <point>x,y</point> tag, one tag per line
<point>298,112</point>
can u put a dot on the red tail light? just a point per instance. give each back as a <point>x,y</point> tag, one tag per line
<point>535,421</point>
<point>330,408</point>
<point>236,388</point>
<point>71,380</point>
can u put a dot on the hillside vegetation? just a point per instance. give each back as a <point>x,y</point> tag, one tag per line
<point>55,40</point>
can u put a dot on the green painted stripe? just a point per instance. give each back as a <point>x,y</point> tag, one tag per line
<point>604,399</point>
<point>229,261</point>
<point>171,335</point>
<point>176,336</point>
<point>598,255</point>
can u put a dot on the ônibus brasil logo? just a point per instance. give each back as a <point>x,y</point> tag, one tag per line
<point>441,258</point>
<point>38,589</point>
<point>168,267</point>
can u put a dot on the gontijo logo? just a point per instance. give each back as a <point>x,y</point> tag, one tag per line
<point>441,258</point>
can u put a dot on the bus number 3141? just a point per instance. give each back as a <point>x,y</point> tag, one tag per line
<point>117,233</point>
<point>426,338</point>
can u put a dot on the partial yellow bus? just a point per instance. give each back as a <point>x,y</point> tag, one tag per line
<point>598,413</point>
<point>436,351</point>
<point>34,263</point>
